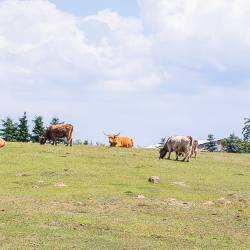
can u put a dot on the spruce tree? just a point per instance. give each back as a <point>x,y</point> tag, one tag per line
<point>9,130</point>
<point>23,129</point>
<point>233,144</point>
<point>246,129</point>
<point>211,145</point>
<point>38,128</point>
<point>54,121</point>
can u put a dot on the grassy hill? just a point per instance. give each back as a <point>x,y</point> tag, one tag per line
<point>87,198</point>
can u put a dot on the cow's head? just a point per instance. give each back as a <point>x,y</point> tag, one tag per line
<point>163,152</point>
<point>44,137</point>
<point>112,139</point>
<point>42,140</point>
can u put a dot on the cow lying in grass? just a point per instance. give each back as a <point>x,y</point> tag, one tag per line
<point>120,141</point>
<point>179,145</point>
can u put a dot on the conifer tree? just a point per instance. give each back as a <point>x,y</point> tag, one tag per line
<point>233,144</point>
<point>9,130</point>
<point>23,129</point>
<point>38,128</point>
<point>55,120</point>
<point>246,129</point>
<point>211,145</point>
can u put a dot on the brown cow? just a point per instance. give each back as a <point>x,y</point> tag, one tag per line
<point>120,141</point>
<point>178,144</point>
<point>55,132</point>
<point>195,148</point>
<point>2,143</point>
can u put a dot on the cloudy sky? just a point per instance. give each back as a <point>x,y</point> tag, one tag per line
<point>146,68</point>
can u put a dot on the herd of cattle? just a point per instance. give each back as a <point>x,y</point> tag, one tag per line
<point>183,146</point>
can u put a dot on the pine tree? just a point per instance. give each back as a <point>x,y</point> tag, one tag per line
<point>55,120</point>
<point>23,129</point>
<point>9,130</point>
<point>38,128</point>
<point>246,129</point>
<point>211,145</point>
<point>233,144</point>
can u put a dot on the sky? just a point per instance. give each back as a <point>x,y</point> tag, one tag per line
<point>147,68</point>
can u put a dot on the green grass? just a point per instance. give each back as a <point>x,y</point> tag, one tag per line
<point>204,204</point>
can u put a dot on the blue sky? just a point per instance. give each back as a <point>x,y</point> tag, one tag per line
<point>147,68</point>
<point>86,7</point>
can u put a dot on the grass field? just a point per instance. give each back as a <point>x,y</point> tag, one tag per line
<point>86,198</point>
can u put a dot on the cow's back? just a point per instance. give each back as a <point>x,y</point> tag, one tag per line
<point>179,143</point>
<point>61,130</point>
<point>125,141</point>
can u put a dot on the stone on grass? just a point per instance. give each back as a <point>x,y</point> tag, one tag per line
<point>140,196</point>
<point>60,184</point>
<point>154,179</point>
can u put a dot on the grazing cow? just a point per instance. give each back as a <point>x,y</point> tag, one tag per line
<point>120,141</point>
<point>55,132</point>
<point>180,145</point>
<point>2,143</point>
<point>195,148</point>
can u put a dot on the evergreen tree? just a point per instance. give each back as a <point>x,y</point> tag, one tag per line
<point>9,130</point>
<point>23,129</point>
<point>246,129</point>
<point>38,128</point>
<point>85,142</point>
<point>211,145</point>
<point>233,144</point>
<point>55,120</point>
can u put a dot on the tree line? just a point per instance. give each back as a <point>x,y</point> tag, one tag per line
<point>19,131</point>
<point>233,143</point>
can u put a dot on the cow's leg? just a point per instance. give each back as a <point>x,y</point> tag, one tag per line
<point>67,141</point>
<point>169,154</point>
<point>71,142</point>
<point>188,154</point>
<point>177,154</point>
<point>185,156</point>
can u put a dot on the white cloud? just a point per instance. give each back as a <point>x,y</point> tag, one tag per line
<point>179,63</point>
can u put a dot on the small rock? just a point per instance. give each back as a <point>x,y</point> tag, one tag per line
<point>140,196</point>
<point>35,186</point>
<point>223,201</point>
<point>22,174</point>
<point>180,183</point>
<point>60,184</point>
<point>208,203</point>
<point>154,179</point>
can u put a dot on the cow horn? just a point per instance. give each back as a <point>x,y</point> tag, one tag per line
<point>105,134</point>
<point>117,134</point>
